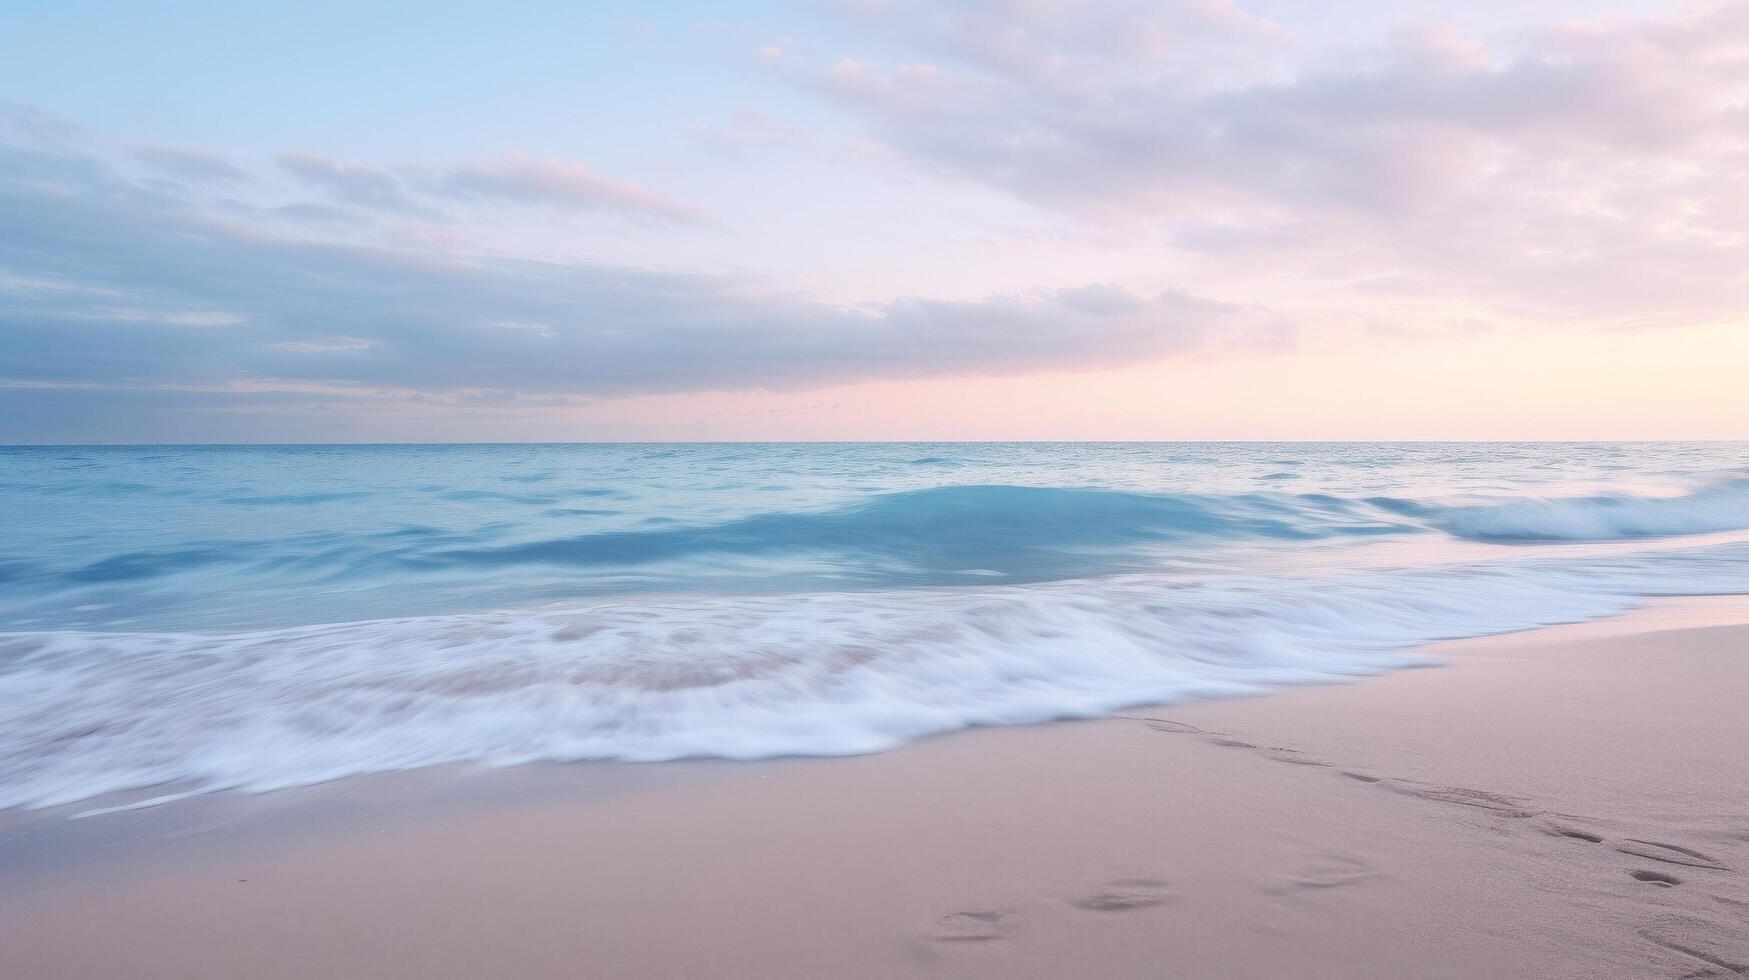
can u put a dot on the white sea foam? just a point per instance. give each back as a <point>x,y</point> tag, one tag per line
<point>1722,506</point>
<point>84,714</point>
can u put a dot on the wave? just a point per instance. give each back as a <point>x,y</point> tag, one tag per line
<point>932,535</point>
<point>1722,506</point>
<point>84,714</point>
<point>296,499</point>
<point>955,527</point>
<point>1009,528</point>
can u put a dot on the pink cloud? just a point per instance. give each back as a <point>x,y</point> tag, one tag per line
<point>524,178</point>
<point>1546,168</point>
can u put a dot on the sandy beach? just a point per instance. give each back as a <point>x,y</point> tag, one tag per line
<point>1570,802</point>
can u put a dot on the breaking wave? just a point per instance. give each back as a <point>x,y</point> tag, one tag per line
<point>187,619</point>
<point>1722,506</point>
<point>88,713</point>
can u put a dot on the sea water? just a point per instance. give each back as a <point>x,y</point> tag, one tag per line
<point>190,619</point>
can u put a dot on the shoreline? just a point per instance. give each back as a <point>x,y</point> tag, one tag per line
<point>1420,823</point>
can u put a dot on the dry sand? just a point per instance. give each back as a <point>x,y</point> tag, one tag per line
<point>1566,803</point>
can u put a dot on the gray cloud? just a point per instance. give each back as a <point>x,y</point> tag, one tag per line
<point>315,212</point>
<point>350,182</point>
<point>197,165</point>
<point>106,282</point>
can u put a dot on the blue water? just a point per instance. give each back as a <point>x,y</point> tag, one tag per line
<point>197,618</point>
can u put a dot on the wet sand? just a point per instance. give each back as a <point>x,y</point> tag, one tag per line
<point>1572,802</point>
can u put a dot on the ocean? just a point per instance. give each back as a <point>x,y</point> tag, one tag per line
<point>178,620</point>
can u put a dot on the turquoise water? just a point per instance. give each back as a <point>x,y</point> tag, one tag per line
<point>195,618</point>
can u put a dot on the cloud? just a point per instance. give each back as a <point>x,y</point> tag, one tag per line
<point>105,282</point>
<point>359,194</point>
<point>1572,169</point>
<point>1083,44</point>
<point>350,182</point>
<point>315,212</point>
<point>555,182</point>
<point>32,125</point>
<point>196,165</point>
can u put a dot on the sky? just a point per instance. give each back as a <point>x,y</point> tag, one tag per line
<point>873,219</point>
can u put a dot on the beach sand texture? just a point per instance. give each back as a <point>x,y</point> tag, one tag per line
<point>1571,802</point>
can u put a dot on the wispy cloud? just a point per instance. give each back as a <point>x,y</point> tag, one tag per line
<point>555,182</point>
<point>350,182</point>
<point>516,179</point>
<point>187,164</point>
<point>130,288</point>
<point>1572,169</point>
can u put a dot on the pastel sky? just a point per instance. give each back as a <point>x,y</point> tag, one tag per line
<point>873,219</point>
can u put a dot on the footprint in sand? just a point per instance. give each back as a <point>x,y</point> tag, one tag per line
<point>1655,878</point>
<point>1332,871</point>
<point>1670,854</point>
<point>1560,828</point>
<point>1125,894</point>
<point>1293,757</point>
<point>1721,947</point>
<point>1506,806</point>
<point>1277,752</point>
<point>974,926</point>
